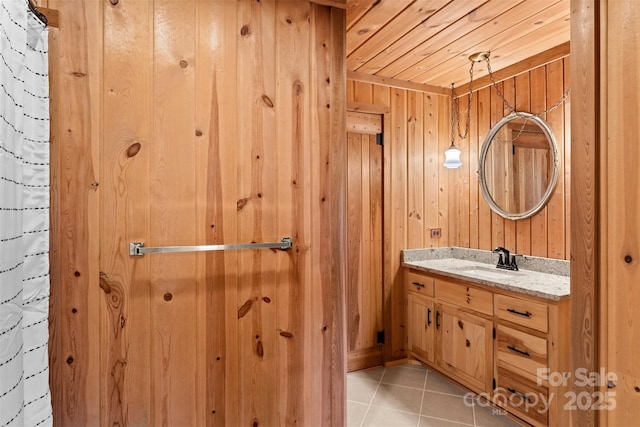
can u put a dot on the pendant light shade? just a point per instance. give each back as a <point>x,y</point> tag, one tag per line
<point>452,158</point>
<point>452,155</point>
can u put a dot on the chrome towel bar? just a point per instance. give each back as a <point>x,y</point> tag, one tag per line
<point>138,248</point>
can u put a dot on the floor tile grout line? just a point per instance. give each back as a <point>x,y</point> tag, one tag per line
<point>424,385</point>
<point>447,420</point>
<point>372,397</point>
<point>473,409</point>
<point>432,391</point>
<point>461,396</point>
<point>403,386</point>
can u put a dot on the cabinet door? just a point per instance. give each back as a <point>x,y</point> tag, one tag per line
<point>421,327</point>
<point>465,348</point>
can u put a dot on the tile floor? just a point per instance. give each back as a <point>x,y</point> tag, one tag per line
<point>410,395</point>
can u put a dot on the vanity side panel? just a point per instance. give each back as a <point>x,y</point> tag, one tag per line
<point>559,340</point>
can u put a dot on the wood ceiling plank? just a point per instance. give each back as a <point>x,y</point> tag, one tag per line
<point>356,9</point>
<point>553,34</point>
<point>418,12</point>
<point>489,12</point>
<point>511,25</point>
<point>451,14</point>
<point>547,40</point>
<point>519,67</point>
<point>373,20</point>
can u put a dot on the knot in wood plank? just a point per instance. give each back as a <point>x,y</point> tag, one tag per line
<point>244,308</point>
<point>260,349</point>
<point>267,101</point>
<point>104,283</point>
<point>240,204</point>
<point>133,149</point>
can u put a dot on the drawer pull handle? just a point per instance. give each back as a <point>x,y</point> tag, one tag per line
<point>517,393</point>
<point>437,319</point>
<point>524,353</point>
<point>418,284</point>
<point>519,313</point>
<point>428,317</point>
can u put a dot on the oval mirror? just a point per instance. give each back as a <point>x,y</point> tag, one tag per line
<point>518,167</point>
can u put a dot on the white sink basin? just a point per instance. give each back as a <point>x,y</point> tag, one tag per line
<point>487,273</point>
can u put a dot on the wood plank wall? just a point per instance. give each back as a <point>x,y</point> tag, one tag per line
<point>420,194</point>
<point>615,241</point>
<point>192,122</point>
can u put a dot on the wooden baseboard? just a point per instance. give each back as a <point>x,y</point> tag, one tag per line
<point>363,359</point>
<point>400,362</point>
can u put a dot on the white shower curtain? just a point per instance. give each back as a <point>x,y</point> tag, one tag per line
<point>24,218</point>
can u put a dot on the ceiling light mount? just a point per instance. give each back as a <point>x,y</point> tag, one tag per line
<point>479,56</point>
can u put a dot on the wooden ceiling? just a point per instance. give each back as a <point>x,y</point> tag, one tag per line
<point>429,41</point>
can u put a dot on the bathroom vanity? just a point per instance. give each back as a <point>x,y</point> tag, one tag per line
<point>503,334</point>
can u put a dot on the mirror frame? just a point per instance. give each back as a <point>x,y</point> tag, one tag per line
<point>554,174</point>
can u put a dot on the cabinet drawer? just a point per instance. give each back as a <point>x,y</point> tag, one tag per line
<point>419,283</point>
<point>525,398</point>
<point>531,314</point>
<point>465,296</point>
<point>522,351</point>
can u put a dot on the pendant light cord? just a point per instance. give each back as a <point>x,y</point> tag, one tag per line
<point>455,110</point>
<point>508,106</point>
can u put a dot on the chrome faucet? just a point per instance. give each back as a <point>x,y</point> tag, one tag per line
<point>504,262</point>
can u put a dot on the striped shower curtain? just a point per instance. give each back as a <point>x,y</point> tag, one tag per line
<point>24,218</point>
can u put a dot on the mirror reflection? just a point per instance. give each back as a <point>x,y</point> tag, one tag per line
<point>518,166</point>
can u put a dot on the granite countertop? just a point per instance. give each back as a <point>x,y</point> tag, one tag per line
<point>539,277</point>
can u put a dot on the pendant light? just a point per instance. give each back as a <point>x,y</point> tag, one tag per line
<point>452,155</point>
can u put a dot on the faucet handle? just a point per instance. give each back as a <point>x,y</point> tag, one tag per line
<point>513,264</point>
